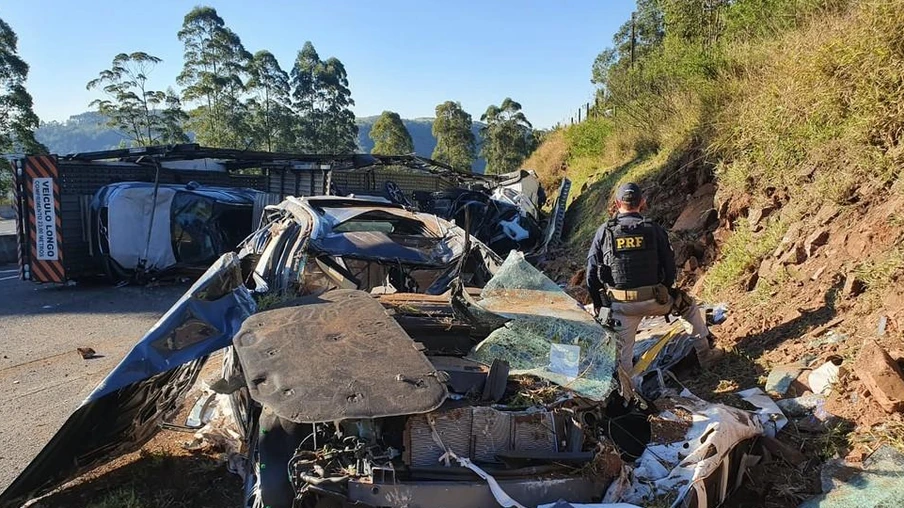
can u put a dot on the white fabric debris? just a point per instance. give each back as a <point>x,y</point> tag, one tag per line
<point>771,416</point>
<point>823,378</point>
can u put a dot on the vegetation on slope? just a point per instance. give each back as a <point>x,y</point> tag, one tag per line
<point>804,95</point>
<point>792,113</point>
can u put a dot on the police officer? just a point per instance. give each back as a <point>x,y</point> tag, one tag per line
<point>631,270</point>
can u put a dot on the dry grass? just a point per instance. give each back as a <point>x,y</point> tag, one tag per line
<point>818,107</point>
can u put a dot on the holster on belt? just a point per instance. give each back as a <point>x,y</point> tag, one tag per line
<point>661,294</point>
<point>681,302</point>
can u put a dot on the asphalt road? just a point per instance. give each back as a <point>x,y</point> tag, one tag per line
<point>42,377</point>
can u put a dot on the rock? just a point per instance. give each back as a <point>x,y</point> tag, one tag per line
<point>852,286</point>
<point>699,214</point>
<point>705,189</point>
<point>825,215</point>
<point>698,286</point>
<point>87,353</point>
<point>768,268</point>
<point>752,279</point>
<point>783,379</point>
<point>818,273</point>
<point>790,238</point>
<point>882,376</point>
<point>691,264</point>
<point>795,256</point>
<point>756,215</point>
<point>816,240</point>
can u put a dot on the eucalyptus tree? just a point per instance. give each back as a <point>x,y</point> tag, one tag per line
<point>17,118</point>
<point>455,142</point>
<point>507,135</point>
<point>141,114</point>
<point>213,77</point>
<point>390,136</point>
<point>322,104</point>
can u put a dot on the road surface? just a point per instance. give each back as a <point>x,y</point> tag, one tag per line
<point>7,227</point>
<point>42,377</point>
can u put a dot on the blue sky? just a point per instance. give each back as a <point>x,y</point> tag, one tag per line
<point>404,56</point>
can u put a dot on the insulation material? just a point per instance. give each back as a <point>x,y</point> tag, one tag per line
<point>128,227</point>
<point>543,319</point>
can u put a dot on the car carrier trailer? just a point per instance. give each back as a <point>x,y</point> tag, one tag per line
<point>54,192</point>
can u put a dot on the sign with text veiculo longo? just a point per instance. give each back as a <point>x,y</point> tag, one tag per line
<point>45,220</point>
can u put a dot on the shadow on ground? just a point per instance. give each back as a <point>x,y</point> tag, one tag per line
<point>156,479</point>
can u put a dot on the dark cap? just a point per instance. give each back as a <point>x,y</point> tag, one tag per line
<point>629,193</point>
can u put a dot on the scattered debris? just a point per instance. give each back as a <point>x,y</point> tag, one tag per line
<point>882,376</point>
<point>801,406</point>
<point>787,453</point>
<point>771,417</point>
<point>784,379</point>
<point>693,467</point>
<point>820,329</point>
<point>826,375</point>
<point>831,337</point>
<point>87,353</point>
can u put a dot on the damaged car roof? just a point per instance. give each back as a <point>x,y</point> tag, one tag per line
<point>354,361</point>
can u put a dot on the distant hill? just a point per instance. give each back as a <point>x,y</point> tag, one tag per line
<point>85,132</point>
<point>88,132</point>
<point>421,130</point>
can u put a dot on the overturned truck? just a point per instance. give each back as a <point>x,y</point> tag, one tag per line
<point>377,356</point>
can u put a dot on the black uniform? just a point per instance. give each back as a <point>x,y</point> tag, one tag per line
<point>629,252</point>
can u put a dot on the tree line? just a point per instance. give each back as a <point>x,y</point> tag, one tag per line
<point>227,97</point>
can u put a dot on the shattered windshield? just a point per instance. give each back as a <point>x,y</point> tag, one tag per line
<point>548,334</point>
<point>191,223</point>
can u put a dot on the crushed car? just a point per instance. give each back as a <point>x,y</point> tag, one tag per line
<point>185,227</point>
<point>503,212</point>
<point>376,356</point>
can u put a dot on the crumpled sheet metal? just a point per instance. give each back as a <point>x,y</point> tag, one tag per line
<point>879,483</point>
<point>548,334</point>
<point>681,467</point>
<point>202,321</point>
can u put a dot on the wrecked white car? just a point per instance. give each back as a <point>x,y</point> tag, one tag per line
<point>474,384</point>
<point>139,227</point>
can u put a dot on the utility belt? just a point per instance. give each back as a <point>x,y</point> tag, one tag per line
<point>658,292</point>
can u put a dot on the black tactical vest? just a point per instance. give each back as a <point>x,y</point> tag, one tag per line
<point>631,254</point>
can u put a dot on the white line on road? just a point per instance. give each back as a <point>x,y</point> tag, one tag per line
<point>9,278</point>
<point>9,271</point>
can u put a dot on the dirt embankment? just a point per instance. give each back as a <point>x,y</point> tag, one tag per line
<point>804,286</point>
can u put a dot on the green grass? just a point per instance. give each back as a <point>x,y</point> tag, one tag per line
<point>879,274</point>
<point>741,254</point>
<point>591,208</point>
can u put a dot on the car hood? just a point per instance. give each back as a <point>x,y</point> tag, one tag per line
<point>124,411</point>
